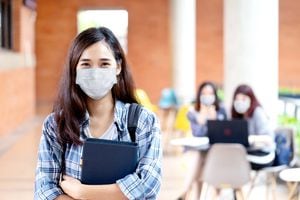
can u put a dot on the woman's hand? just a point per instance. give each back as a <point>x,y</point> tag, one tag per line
<point>207,112</point>
<point>72,187</point>
<point>211,112</point>
<point>75,189</point>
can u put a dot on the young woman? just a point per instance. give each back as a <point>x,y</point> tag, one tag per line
<point>207,107</point>
<point>246,106</point>
<point>94,95</point>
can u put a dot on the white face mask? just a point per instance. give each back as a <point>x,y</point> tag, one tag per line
<point>207,100</point>
<point>96,82</point>
<point>241,106</point>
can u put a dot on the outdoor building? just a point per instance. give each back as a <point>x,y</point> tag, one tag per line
<point>169,44</point>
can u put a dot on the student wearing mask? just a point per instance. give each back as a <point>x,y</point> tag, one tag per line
<point>246,106</point>
<point>207,107</point>
<point>94,96</point>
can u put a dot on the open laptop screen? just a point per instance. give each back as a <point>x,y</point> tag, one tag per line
<point>228,131</point>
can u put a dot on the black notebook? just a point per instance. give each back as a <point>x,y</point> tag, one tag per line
<point>106,161</point>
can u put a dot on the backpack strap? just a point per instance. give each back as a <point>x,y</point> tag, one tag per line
<point>132,119</point>
<point>63,157</point>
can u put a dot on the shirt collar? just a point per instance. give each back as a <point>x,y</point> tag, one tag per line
<point>119,117</point>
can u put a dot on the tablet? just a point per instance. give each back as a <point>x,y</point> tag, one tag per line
<point>106,161</point>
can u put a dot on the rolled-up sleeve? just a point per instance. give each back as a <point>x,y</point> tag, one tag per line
<point>198,130</point>
<point>49,164</point>
<point>146,181</point>
<point>262,125</point>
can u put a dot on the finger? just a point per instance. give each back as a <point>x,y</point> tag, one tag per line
<point>62,184</point>
<point>65,177</point>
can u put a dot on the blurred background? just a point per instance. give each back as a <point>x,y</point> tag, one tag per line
<point>169,44</point>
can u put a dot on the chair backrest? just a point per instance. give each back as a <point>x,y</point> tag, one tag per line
<point>144,99</point>
<point>288,133</point>
<point>181,121</point>
<point>226,165</point>
<point>168,99</point>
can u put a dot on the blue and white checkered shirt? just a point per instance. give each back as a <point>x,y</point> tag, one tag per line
<point>144,183</point>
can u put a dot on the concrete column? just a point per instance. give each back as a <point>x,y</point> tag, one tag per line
<point>183,40</point>
<point>251,50</point>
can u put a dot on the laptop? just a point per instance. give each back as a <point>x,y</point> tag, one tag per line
<point>106,161</point>
<point>228,131</point>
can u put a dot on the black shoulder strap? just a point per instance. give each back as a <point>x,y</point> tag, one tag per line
<point>63,162</point>
<point>132,119</point>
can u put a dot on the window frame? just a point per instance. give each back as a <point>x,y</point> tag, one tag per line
<point>6,40</point>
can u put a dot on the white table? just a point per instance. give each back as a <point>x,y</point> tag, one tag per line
<point>202,143</point>
<point>292,177</point>
<point>191,142</point>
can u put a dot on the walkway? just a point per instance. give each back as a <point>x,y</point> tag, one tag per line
<point>18,160</point>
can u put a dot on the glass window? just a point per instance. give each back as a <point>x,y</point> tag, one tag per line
<point>5,24</point>
<point>115,20</point>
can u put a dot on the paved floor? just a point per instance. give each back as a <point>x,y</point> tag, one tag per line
<point>17,162</point>
<point>175,167</point>
<point>18,159</point>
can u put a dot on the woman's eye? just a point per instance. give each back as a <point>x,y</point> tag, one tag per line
<point>85,65</point>
<point>105,64</point>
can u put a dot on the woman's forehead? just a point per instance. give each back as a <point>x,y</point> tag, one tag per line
<point>100,49</point>
<point>207,88</point>
<point>242,96</point>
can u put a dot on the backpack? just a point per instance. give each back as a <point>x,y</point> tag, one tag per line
<point>132,119</point>
<point>283,151</point>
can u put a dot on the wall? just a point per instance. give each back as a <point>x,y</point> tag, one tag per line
<point>148,42</point>
<point>210,41</point>
<point>17,96</point>
<point>289,44</point>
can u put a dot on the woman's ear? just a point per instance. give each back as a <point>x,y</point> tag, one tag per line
<point>119,68</point>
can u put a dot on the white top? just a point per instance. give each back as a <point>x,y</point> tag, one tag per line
<point>110,134</point>
<point>259,124</point>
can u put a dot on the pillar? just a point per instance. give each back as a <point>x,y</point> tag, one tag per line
<point>183,40</point>
<point>251,50</point>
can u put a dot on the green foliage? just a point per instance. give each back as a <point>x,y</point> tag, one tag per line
<point>287,120</point>
<point>220,94</point>
<point>285,90</point>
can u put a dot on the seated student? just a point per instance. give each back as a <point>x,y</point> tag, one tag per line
<point>207,107</point>
<point>246,106</point>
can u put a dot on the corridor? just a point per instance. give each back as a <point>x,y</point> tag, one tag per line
<point>18,160</point>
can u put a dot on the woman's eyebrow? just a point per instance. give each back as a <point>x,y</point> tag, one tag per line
<point>105,59</point>
<point>84,60</point>
<point>87,59</point>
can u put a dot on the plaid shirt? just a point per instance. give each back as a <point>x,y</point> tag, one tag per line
<point>144,183</point>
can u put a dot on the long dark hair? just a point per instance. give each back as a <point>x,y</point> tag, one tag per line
<point>70,106</point>
<point>245,90</point>
<point>198,103</point>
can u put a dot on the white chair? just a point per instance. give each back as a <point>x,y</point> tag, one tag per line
<point>273,171</point>
<point>226,166</point>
